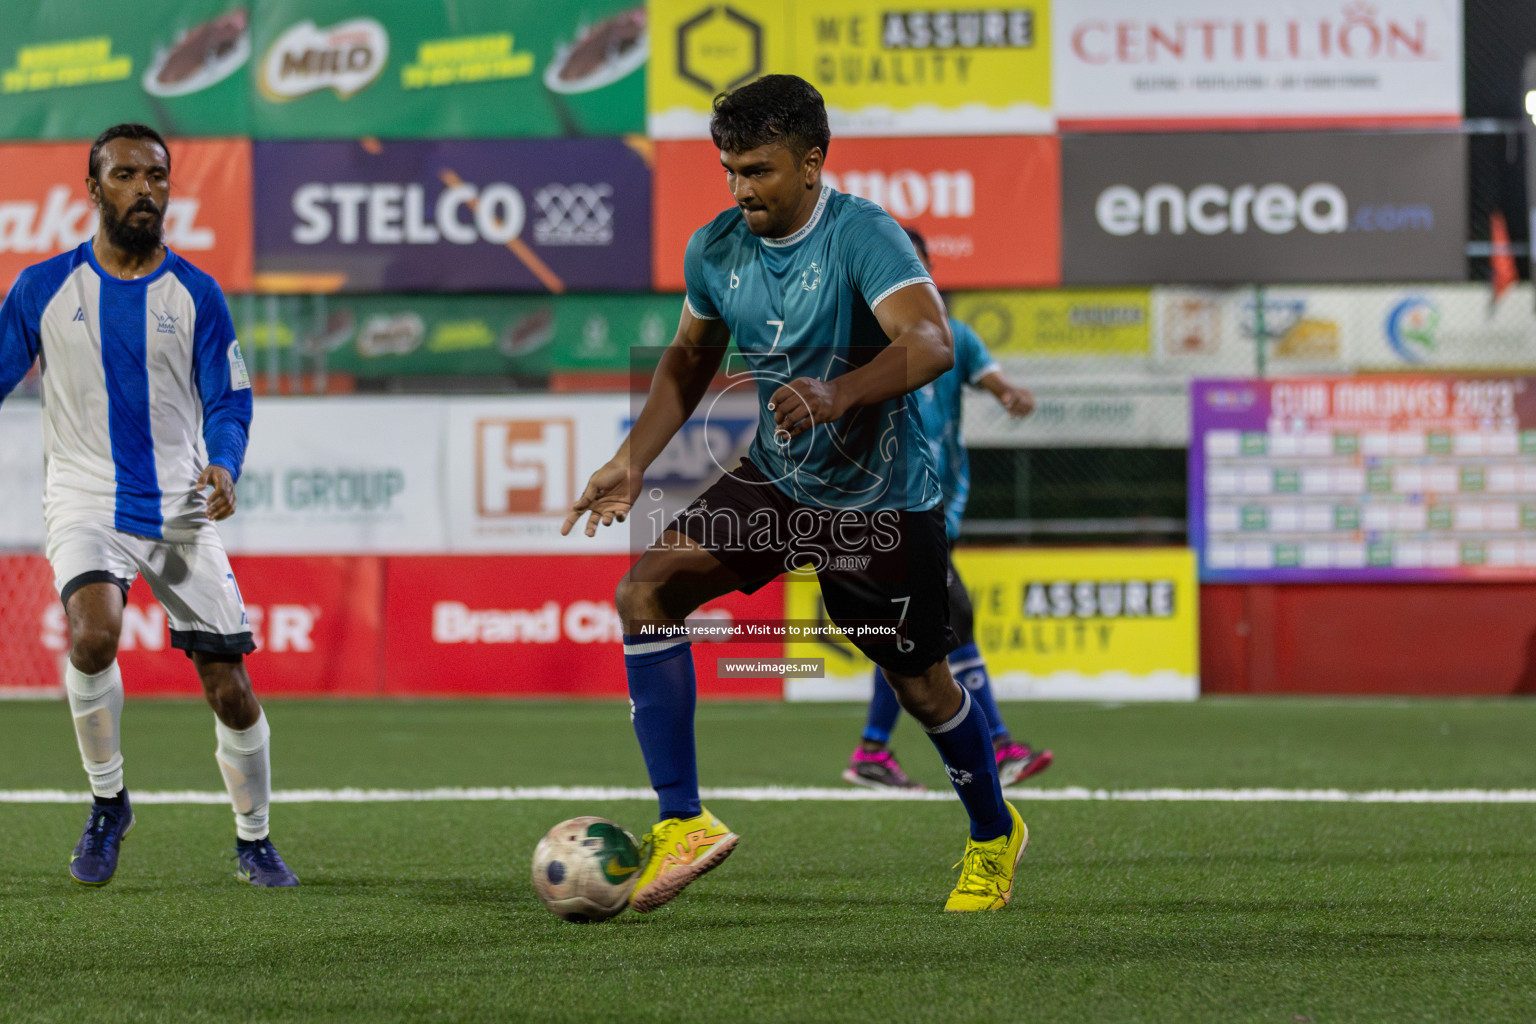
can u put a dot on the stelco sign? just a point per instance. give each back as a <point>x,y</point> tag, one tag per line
<point>1151,209</point>
<point>471,215</point>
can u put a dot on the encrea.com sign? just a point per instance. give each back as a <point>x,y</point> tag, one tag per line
<point>1315,207</point>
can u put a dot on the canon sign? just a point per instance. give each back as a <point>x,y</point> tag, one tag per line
<point>1288,207</point>
<point>909,194</point>
<point>1212,209</point>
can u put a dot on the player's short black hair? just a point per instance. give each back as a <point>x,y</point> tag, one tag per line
<point>917,241</point>
<point>776,108</point>
<point>127,130</point>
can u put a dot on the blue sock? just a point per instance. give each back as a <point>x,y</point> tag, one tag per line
<point>662,694</point>
<point>970,671</point>
<point>967,752</point>
<point>883,711</point>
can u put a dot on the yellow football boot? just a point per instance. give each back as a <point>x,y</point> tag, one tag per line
<point>678,851</point>
<point>986,876</point>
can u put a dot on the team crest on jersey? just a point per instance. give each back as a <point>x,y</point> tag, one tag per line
<point>811,277</point>
<point>165,323</point>
<point>239,380</point>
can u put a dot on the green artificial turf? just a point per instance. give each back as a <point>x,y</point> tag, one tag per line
<point>828,911</point>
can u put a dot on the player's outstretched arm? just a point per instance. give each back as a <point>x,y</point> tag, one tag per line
<point>19,341</point>
<point>921,350</point>
<point>1016,400</point>
<point>681,379</point>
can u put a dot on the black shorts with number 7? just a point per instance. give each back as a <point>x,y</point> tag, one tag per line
<point>883,572</point>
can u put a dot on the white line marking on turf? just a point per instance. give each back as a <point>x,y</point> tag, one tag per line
<point>777,794</point>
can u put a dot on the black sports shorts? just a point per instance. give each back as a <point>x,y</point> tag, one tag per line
<point>962,616</point>
<point>878,569</point>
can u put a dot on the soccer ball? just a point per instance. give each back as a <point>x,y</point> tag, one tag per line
<point>583,869</point>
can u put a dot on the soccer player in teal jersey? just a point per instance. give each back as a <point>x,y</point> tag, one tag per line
<point>837,323</point>
<point>872,763</point>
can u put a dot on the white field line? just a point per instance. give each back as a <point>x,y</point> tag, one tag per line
<point>776,794</point>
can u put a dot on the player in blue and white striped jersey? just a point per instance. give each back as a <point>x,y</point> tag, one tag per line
<point>146,411</point>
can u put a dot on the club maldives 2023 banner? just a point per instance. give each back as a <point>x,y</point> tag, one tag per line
<point>1364,479</point>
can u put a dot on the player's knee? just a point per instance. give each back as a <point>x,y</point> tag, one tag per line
<point>924,697</point>
<point>635,600</point>
<point>92,648</point>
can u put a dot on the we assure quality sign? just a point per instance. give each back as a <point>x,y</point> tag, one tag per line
<point>1072,625</point>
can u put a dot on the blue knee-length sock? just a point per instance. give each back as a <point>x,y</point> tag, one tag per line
<point>967,752</point>
<point>970,671</point>
<point>883,711</point>
<point>662,695</point>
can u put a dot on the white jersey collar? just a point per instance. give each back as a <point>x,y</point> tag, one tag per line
<point>810,225</point>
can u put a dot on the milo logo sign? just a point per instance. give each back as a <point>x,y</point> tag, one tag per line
<point>346,57</point>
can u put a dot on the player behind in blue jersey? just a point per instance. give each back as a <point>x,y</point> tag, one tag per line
<point>872,763</point>
<point>146,403</point>
<point>837,322</point>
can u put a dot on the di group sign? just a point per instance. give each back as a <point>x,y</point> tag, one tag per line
<point>1149,209</point>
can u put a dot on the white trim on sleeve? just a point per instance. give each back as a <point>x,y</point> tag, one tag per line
<point>898,286</point>
<point>694,312</point>
<point>991,367</point>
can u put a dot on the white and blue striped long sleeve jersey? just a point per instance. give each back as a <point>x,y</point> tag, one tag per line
<point>143,386</point>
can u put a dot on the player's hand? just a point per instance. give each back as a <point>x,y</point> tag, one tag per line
<point>801,404</point>
<point>609,496</point>
<point>1017,401</point>
<point>221,503</point>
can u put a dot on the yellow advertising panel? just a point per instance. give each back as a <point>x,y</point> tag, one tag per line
<point>1084,624</point>
<point>1069,323</point>
<point>944,67</point>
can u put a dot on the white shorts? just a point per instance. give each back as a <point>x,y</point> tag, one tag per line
<point>191,579</point>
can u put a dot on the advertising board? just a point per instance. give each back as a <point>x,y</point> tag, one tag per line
<point>1271,207</point>
<point>944,67</point>
<point>1126,65</point>
<point>68,70</point>
<point>986,206</point>
<point>1354,479</point>
<point>452,216</point>
<point>344,69</point>
<point>1085,624</point>
<point>45,209</point>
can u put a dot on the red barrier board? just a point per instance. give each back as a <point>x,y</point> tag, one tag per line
<point>30,656</point>
<point>45,210</point>
<point>316,622</point>
<point>987,206</point>
<point>537,626</point>
<point>1363,639</point>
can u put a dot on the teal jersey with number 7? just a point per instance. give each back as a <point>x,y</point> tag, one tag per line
<point>803,306</point>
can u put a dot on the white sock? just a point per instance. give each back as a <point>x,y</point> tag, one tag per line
<point>97,704</point>
<point>247,766</point>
